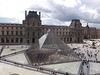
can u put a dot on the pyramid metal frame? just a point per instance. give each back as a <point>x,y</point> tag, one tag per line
<point>53,42</point>
<point>51,45</point>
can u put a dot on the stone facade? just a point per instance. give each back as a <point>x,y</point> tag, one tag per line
<point>98,33</point>
<point>31,30</point>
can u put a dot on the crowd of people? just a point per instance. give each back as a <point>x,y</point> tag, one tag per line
<point>88,53</point>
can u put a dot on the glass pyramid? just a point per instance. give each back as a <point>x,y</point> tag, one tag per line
<point>51,49</point>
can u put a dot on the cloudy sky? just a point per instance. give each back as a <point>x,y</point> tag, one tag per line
<point>55,12</point>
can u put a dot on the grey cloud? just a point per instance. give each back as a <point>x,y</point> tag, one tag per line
<point>64,13</point>
<point>67,13</point>
<point>91,3</point>
<point>98,9</point>
<point>40,8</point>
<point>45,11</point>
<point>9,20</point>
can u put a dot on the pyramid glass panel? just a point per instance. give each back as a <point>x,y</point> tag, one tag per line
<point>51,49</point>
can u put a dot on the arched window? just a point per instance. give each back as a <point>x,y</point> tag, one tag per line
<point>67,39</point>
<point>2,40</point>
<point>33,40</point>
<point>12,40</point>
<point>27,41</point>
<point>64,39</point>
<point>16,40</point>
<point>70,39</point>
<point>21,40</point>
<point>7,40</point>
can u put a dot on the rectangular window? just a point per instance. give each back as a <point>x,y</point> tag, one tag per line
<point>64,39</point>
<point>12,40</point>
<point>7,40</point>
<point>2,32</point>
<point>16,40</point>
<point>70,39</point>
<point>16,32</point>
<point>21,40</point>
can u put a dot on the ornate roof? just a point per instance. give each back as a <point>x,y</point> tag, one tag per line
<point>32,14</point>
<point>75,23</point>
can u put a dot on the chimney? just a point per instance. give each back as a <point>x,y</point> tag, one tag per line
<point>25,14</point>
<point>40,15</point>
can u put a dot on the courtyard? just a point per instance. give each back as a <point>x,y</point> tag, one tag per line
<point>86,51</point>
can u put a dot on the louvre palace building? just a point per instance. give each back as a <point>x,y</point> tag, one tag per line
<point>31,30</point>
